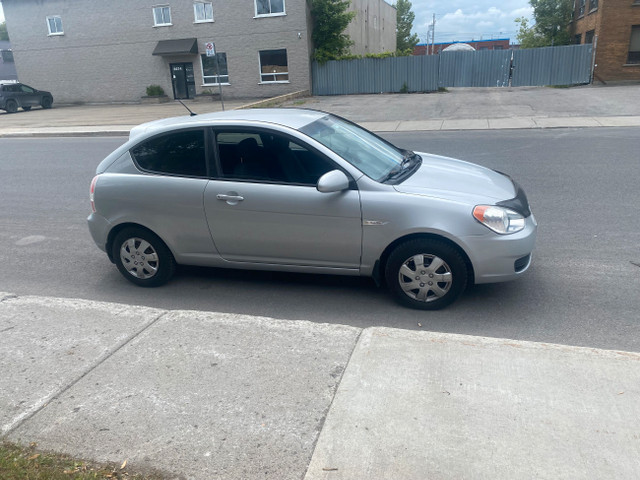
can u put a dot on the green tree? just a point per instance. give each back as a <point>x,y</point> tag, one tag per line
<point>4,35</point>
<point>552,18</point>
<point>330,18</point>
<point>405,42</point>
<point>527,35</point>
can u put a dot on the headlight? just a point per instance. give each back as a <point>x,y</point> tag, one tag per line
<point>499,219</point>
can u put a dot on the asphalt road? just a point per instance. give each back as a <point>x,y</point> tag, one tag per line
<point>583,288</point>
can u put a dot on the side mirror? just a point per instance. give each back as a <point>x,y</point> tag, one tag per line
<point>333,181</point>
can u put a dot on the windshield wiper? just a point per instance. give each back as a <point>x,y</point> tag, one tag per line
<point>407,158</point>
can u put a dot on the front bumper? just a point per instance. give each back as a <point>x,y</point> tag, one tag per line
<point>500,258</point>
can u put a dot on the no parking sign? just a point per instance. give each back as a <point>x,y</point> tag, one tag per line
<point>210,48</point>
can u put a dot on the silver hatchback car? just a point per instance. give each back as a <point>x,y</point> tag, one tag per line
<point>306,191</point>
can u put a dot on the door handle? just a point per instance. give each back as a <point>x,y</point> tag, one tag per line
<point>229,198</point>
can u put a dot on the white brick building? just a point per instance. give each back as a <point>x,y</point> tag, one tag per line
<point>97,51</point>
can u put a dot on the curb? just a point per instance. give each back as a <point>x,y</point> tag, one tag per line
<point>276,100</point>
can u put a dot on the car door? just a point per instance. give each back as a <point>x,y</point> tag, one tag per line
<point>264,207</point>
<point>15,93</point>
<point>167,197</point>
<point>28,96</point>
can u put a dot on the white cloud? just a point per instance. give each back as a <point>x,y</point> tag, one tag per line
<point>461,20</point>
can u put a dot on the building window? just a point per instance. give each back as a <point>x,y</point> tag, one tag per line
<point>210,69</point>
<point>203,12</point>
<point>7,56</point>
<point>634,45</point>
<point>588,37</point>
<point>581,8</point>
<point>593,5</point>
<point>273,66</point>
<point>269,7</point>
<point>161,15</point>
<point>54,23</point>
<point>577,39</point>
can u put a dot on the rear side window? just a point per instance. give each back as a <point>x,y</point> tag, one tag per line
<point>177,153</point>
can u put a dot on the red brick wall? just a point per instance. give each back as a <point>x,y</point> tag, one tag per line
<point>612,23</point>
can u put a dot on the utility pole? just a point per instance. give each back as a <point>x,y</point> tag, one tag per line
<point>433,34</point>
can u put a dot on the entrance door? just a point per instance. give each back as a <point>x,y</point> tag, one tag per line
<point>183,80</point>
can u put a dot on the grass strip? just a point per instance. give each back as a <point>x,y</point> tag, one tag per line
<point>27,463</point>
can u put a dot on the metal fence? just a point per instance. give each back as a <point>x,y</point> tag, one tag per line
<point>566,65</point>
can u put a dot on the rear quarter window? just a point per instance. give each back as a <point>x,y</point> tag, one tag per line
<point>176,153</point>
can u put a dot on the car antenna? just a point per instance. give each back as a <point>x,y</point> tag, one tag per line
<point>190,112</point>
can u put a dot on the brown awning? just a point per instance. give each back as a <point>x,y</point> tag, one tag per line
<point>181,46</point>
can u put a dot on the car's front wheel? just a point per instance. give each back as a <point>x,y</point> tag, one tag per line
<point>426,274</point>
<point>47,102</point>
<point>142,257</point>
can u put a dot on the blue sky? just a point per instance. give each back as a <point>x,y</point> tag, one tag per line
<point>460,20</point>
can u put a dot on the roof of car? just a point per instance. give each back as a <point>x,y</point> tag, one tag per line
<point>289,117</point>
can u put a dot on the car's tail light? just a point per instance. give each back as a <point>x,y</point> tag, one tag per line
<point>92,192</point>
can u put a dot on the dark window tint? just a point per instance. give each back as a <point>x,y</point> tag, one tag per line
<point>263,156</point>
<point>180,153</point>
<point>634,45</point>
<point>214,69</point>
<point>273,66</point>
<point>7,56</point>
<point>588,37</point>
<point>581,9</point>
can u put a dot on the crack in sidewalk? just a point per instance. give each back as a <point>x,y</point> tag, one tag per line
<point>39,405</point>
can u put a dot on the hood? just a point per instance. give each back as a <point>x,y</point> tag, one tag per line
<point>457,180</point>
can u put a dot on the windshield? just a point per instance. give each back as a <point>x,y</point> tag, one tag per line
<point>368,153</point>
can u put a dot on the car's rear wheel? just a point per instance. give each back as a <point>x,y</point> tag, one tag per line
<point>11,106</point>
<point>425,274</point>
<point>142,257</point>
<point>46,102</point>
<point>26,109</point>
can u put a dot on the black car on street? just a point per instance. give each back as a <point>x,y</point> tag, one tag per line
<point>18,95</point>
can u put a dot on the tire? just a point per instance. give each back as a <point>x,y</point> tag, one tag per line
<point>142,257</point>
<point>46,102</point>
<point>11,106</point>
<point>425,274</point>
<point>26,109</point>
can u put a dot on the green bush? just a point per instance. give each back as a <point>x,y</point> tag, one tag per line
<point>323,57</point>
<point>155,91</point>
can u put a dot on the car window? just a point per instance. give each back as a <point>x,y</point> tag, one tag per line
<point>26,89</point>
<point>176,153</point>
<point>369,153</point>
<point>268,157</point>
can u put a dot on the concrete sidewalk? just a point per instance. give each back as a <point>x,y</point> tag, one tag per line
<point>456,109</point>
<point>217,396</point>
